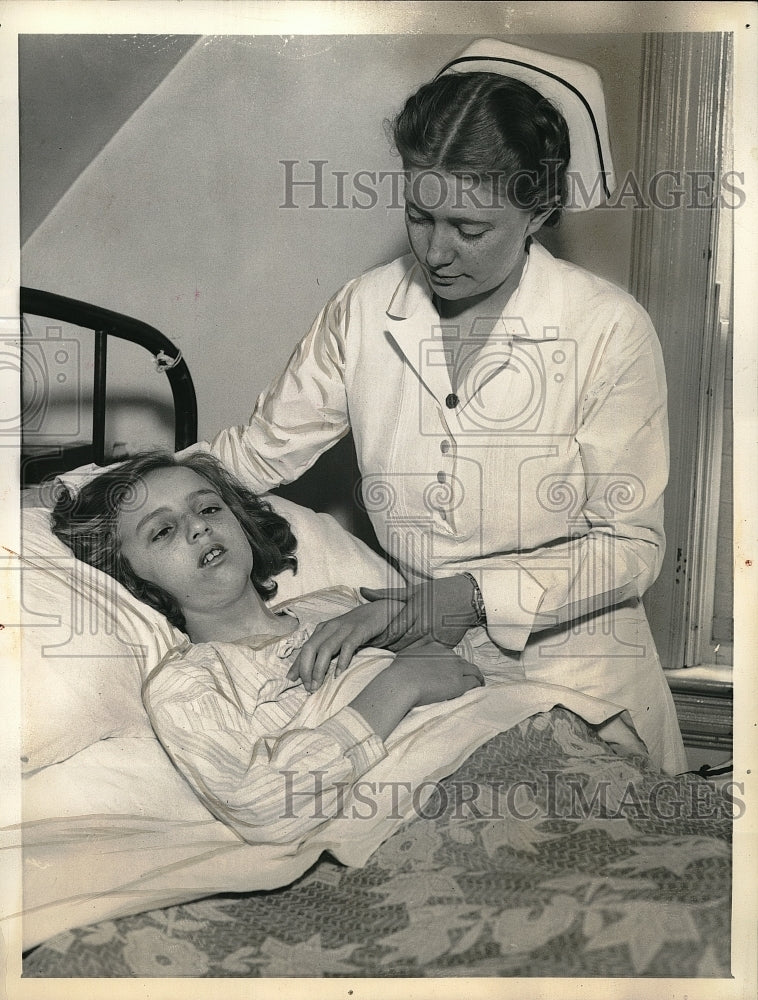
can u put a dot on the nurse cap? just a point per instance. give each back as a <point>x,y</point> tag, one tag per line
<point>576,91</point>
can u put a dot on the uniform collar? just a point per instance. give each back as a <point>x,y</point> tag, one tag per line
<point>532,314</point>
<point>412,294</point>
<point>534,306</point>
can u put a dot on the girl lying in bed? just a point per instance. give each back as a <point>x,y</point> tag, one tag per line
<point>272,760</point>
<point>229,707</point>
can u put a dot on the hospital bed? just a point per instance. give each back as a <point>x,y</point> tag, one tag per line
<point>544,854</point>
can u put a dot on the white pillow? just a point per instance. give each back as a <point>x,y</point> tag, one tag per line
<point>86,642</point>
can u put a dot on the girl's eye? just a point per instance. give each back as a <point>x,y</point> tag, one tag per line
<point>162,533</point>
<point>212,509</point>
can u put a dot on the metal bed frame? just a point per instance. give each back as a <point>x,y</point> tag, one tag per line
<point>38,464</point>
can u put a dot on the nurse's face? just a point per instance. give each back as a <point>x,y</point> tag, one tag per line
<point>468,238</point>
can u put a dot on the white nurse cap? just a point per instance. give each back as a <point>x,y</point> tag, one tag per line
<point>576,91</point>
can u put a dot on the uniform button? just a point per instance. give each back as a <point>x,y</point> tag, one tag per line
<point>444,446</point>
<point>451,401</point>
<point>440,477</point>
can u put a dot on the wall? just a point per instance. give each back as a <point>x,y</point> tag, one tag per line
<point>73,96</point>
<point>178,219</point>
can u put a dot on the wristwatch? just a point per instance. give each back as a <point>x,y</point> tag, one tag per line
<point>477,601</point>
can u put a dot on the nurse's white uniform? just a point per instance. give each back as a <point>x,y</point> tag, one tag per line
<point>543,476</point>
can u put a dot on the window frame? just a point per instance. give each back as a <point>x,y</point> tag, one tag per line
<point>682,275</point>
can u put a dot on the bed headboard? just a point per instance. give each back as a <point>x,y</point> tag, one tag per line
<point>39,464</point>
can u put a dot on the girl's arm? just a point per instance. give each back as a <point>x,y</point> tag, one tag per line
<point>427,673</point>
<point>276,787</point>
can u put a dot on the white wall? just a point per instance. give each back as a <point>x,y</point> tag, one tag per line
<point>178,222</point>
<point>73,97</point>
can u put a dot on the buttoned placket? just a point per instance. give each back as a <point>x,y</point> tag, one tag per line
<point>447,461</point>
<point>414,325</point>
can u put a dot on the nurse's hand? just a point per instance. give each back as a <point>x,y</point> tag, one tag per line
<point>442,610</point>
<point>341,637</point>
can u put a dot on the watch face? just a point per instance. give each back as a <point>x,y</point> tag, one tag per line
<point>477,601</point>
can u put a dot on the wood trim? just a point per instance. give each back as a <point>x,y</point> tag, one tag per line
<point>700,645</point>
<point>705,514</point>
<point>704,707</point>
<point>673,276</point>
<point>704,722</point>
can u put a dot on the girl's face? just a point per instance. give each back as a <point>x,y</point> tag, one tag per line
<point>467,238</point>
<point>180,535</point>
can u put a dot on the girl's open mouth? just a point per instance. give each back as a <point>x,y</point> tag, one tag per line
<point>211,556</point>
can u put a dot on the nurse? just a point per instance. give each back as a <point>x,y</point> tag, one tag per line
<point>508,408</point>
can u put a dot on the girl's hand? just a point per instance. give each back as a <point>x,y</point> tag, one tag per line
<point>436,673</point>
<point>439,609</point>
<point>428,673</point>
<point>341,637</point>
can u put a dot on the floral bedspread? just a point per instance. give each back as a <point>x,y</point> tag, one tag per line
<point>545,854</point>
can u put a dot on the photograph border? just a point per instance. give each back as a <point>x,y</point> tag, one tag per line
<point>217,17</point>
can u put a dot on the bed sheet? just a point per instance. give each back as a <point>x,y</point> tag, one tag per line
<point>544,854</point>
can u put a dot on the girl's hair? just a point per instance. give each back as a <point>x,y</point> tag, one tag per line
<point>489,126</point>
<point>87,522</point>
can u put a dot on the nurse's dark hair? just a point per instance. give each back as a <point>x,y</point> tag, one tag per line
<point>489,126</point>
<point>87,522</point>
